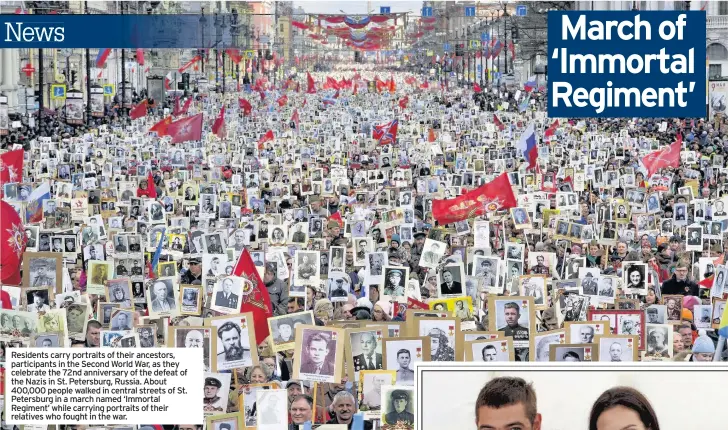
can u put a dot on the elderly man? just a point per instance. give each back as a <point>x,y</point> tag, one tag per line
<point>369,359</point>
<point>344,408</point>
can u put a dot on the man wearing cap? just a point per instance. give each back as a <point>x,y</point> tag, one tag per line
<point>338,290</point>
<point>369,359</point>
<point>212,386</point>
<point>394,286</point>
<point>224,426</point>
<point>193,276</point>
<point>285,332</point>
<point>653,316</point>
<point>589,285</point>
<point>42,279</point>
<point>398,412</point>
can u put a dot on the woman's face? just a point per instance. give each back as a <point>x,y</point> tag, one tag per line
<point>257,376</point>
<point>634,278</point>
<point>620,417</point>
<point>378,313</point>
<point>651,298</point>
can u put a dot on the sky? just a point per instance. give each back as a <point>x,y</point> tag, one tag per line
<point>354,7</point>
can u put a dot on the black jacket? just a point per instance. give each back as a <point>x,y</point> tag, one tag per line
<point>673,286</point>
<point>367,424</point>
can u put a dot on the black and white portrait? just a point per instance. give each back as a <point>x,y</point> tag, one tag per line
<point>402,356</point>
<point>491,351</point>
<point>233,342</point>
<point>318,355</point>
<point>394,281</point>
<point>162,297</point>
<point>227,295</point>
<point>121,319</point>
<point>451,279</point>
<point>617,349</point>
<point>338,286</point>
<point>307,268</point>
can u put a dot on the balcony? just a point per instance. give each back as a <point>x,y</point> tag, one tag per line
<point>717,21</point>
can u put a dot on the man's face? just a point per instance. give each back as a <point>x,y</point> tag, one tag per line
<point>489,354</point>
<point>510,417</point>
<point>160,291</point>
<point>194,339</point>
<point>404,360</point>
<point>285,331</point>
<point>615,351</point>
<point>122,319</point>
<point>511,316</point>
<point>344,409</point>
<point>368,344</point>
<point>93,335</point>
<point>230,340</point>
<point>210,391</point>
<point>227,285</point>
<point>300,411</point>
<point>318,351</point>
<point>586,334</point>
<point>400,405</point>
<point>447,277</point>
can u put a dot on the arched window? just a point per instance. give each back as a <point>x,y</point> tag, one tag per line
<point>717,52</point>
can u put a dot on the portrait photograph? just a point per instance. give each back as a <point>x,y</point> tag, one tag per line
<point>216,392</point>
<point>618,348</point>
<point>191,299</point>
<point>694,239</point>
<point>271,409</point>
<point>119,291</point>
<point>118,339</point>
<point>53,321</point>
<point>232,421</point>
<point>337,259</point>
<point>122,319</point>
<point>162,297</point>
<point>167,269</point>
<point>544,340</point>
<point>47,340</point>
<point>103,312</point>
<point>400,355</point>
<point>534,286</point>
<point>307,268</point>
<point>236,345</point>
<point>398,407</point>
<point>520,218</point>
<point>248,403</point>
<point>634,278</point>
<point>320,354</point>
<point>363,350</point>
<point>370,391</point>
<point>37,299</point>
<point>362,246</point>
<point>585,331</point>
<point>656,314</point>
<point>514,316</point>
<point>395,279</point>
<point>195,337</point>
<point>451,281</point>
<point>491,350</point>
<point>77,315</point>
<point>100,272</point>
<point>147,335</point>
<point>631,323</point>
<point>375,262</point>
<point>338,286</point>
<point>673,308</point>
<point>441,331</point>
<point>718,311</point>
<point>659,339</point>
<point>283,328</point>
<point>43,269</point>
<point>433,251</point>
<point>570,353</point>
<point>226,295</point>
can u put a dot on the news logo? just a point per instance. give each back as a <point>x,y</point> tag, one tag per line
<point>33,33</point>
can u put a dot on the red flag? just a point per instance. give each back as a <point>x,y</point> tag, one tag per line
<point>185,129</point>
<point>245,106</point>
<point>12,244</point>
<point>512,48</point>
<point>356,89</point>
<point>490,197</point>
<point>267,137</point>
<point>332,83</point>
<point>139,111</point>
<point>177,109</point>
<point>282,100</point>
<point>184,108</point>
<point>336,216</point>
<point>551,130</point>
<point>311,84</point>
<point>431,137</point>
<point>403,102</point>
<point>11,167</point>
<point>218,127</point>
<point>257,300</point>
<point>262,95</point>
<point>477,88</point>
<point>665,157</point>
<point>151,187</point>
<point>161,126</point>
<point>498,122</point>
<point>410,80</point>
<point>425,85</point>
<point>386,133</point>
<point>140,56</point>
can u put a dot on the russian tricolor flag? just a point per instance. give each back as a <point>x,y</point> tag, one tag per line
<point>102,56</point>
<point>530,84</point>
<point>527,145</point>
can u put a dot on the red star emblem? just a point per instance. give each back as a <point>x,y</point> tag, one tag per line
<point>419,352</point>
<point>243,323</point>
<point>333,335</point>
<point>379,335</point>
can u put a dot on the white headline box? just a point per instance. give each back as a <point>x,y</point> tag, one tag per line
<point>99,386</point>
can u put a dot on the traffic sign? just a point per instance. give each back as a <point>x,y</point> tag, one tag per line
<point>485,37</point>
<point>426,11</point>
<point>469,10</point>
<point>475,44</point>
<point>446,47</point>
<point>109,90</point>
<point>58,91</point>
<point>384,10</point>
<point>249,54</point>
<point>521,10</point>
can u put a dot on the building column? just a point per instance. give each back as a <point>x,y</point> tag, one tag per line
<point>10,60</point>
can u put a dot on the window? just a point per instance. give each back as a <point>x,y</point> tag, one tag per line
<point>715,71</point>
<point>723,8</point>
<point>283,28</point>
<point>717,52</point>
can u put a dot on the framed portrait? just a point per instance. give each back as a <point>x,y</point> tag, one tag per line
<point>247,403</point>
<point>119,339</point>
<point>411,329</point>
<point>103,312</point>
<point>515,317</point>
<point>489,350</point>
<point>534,286</point>
<point>192,297</point>
<point>226,295</point>
<point>162,325</point>
<point>195,337</point>
<point>622,322</point>
<point>616,348</point>
<point>520,218</point>
<point>307,268</point>
<point>544,340</point>
<point>162,297</point>
<point>441,331</point>
<point>119,291</point>
<point>272,409</point>
<point>53,321</point>
<point>283,328</point>
<point>395,279</point>
<point>43,269</point>
<point>363,350</point>
<point>47,340</point>
<point>718,310</point>
<point>338,286</point>
<point>147,335</point>
<point>370,391</point>
<point>122,319</point>
<point>634,278</point>
<point>659,338</point>
<point>584,331</point>
<point>451,281</point>
<point>337,259</point>
<point>236,346</point>
<point>656,314</point>
<point>100,272</point>
<point>574,353</point>
<point>225,422</point>
<point>77,315</point>
<point>37,299</point>
<point>401,354</point>
<point>216,392</point>
<point>673,307</point>
<point>320,354</point>
<point>167,269</point>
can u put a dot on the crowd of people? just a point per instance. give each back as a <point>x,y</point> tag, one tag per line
<point>312,239</point>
